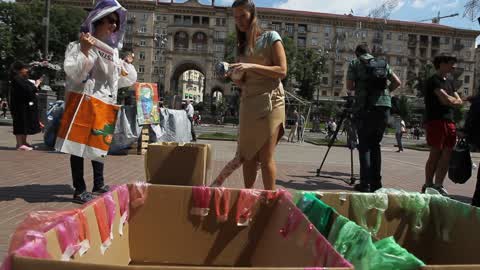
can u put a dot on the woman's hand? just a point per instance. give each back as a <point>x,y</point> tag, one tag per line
<point>86,43</point>
<point>241,67</point>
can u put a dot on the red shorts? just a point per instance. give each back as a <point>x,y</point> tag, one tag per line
<point>441,134</point>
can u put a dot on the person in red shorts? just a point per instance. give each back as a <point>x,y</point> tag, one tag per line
<point>440,101</point>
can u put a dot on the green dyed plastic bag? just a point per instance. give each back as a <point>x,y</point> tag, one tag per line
<point>445,213</point>
<point>355,244</point>
<point>317,212</point>
<point>362,203</point>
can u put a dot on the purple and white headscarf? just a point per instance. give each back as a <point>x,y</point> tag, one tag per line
<point>103,8</point>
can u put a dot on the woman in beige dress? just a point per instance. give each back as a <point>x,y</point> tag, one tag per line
<point>262,64</point>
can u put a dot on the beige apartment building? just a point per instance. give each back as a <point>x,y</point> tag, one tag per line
<point>171,38</point>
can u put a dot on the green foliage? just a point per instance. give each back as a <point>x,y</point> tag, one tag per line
<point>309,65</point>
<point>418,81</point>
<point>329,110</point>
<point>405,108</point>
<point>22,32</point>
<point>230,47</point>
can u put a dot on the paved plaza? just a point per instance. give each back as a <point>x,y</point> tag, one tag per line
<point>40,180</point>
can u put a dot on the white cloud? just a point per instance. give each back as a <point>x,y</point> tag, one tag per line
<point>420,3</point>
<point>360,7</point>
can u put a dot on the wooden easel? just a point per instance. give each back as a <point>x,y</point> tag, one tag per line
<point>141,145</point>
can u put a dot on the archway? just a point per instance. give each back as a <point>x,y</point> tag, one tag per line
<point>188,83</point>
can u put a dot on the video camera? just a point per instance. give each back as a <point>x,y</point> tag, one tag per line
<point>350,101</point>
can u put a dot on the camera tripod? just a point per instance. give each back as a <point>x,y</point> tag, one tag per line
<point>346,120</point>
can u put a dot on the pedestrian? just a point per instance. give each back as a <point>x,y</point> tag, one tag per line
<point>24,105</point>
<point>301,123</point>
<point>260,68</point>
<point>471,132</point>
<point>372,80</point>
<point>91,71</point>
<point>399,130</point>
<point>190,111</point>
<point>4,105</point>
<point>440,101</point>
<point>293,128</point>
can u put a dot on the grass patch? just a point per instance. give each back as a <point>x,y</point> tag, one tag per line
<point>325,142</point>
<point>218,136</point>
<point>418,147</point>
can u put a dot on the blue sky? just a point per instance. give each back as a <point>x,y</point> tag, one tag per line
<point>410,10</point>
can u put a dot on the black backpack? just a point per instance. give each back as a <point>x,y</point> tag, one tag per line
<point>377,74</point>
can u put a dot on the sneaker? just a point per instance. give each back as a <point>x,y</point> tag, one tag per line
<point>441,189</point>
<point>101,190</point>
<point>425,186</point>
<point>83,197</point>
<point>362,187</point>
<point>24,148</point>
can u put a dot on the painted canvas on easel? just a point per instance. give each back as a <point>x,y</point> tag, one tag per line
<point>147,103</point>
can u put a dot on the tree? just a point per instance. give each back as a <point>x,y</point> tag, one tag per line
<point>405,108</point>
<point>309,65</point>
<point>230,48</point>
<point>418,81</point>
<point>22,33</point>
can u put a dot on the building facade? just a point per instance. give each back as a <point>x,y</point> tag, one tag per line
<point>171,38</point>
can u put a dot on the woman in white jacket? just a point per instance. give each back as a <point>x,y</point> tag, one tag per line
<point>92,66</point>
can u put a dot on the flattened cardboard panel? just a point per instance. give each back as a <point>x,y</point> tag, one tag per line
<point>164,232</point>
<point>116,254</point>
<point>464,241</point>
<point>171,164</point>
<point>24,263</point>
<point>461,250</point>
<point>292,251</point>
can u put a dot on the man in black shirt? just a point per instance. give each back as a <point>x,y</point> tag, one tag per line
<point>440,100</point>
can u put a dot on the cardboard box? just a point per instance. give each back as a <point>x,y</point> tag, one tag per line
<point>459,252</point>
<point>163,234</point>
<point>178,164</point>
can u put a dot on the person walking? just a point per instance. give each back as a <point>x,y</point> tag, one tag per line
<point>260,68</point>
<point>399,130</point>
<point>190,112</point>
<point>91,71</point>
<point>301,123</point>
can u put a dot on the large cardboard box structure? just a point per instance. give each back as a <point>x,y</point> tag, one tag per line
<point>168,163</point>
<point>163,234</point>
<point>459,252</point>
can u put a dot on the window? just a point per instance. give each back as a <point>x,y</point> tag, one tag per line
<point>399,61</point>
<point>219,48</point>
<point>141,56</point>
<point>325,80</point>
<point>400,37</point>
<point>301,42</point>
<point>314,42</point>
<point>336,94</point>
<point>220,35</point>
<point>314,28</point>
<point>155,70</point>
<point>389,36</point>
<point>206,21</point>
<point>327,30</point>
<point>466,79</point>
<point>177,19</point>
<point>277,26</point>
<point>324,93</point>
<point>158,18</point>
<point>289,28</point>
<point>264,24</point>
<point>468,43</point>
<point>187,20</point>
<point>143,29</point>
<point>164,18</point>
<point>465,91</point>
<point>141,69</point>
<point>302,29</point>
<point>142,42</point>
<point>446,40</point>
<point>145,16</point>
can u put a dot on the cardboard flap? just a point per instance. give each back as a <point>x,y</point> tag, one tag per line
<point>177,164</point>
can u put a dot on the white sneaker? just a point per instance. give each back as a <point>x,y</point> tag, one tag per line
<point>441,189</point>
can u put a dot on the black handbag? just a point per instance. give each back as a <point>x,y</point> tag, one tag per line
<point>460,166</point>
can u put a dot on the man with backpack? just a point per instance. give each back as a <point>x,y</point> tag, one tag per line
<point>369,78</point>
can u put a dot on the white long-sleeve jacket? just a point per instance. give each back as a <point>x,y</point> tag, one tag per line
<point>100,75</point>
